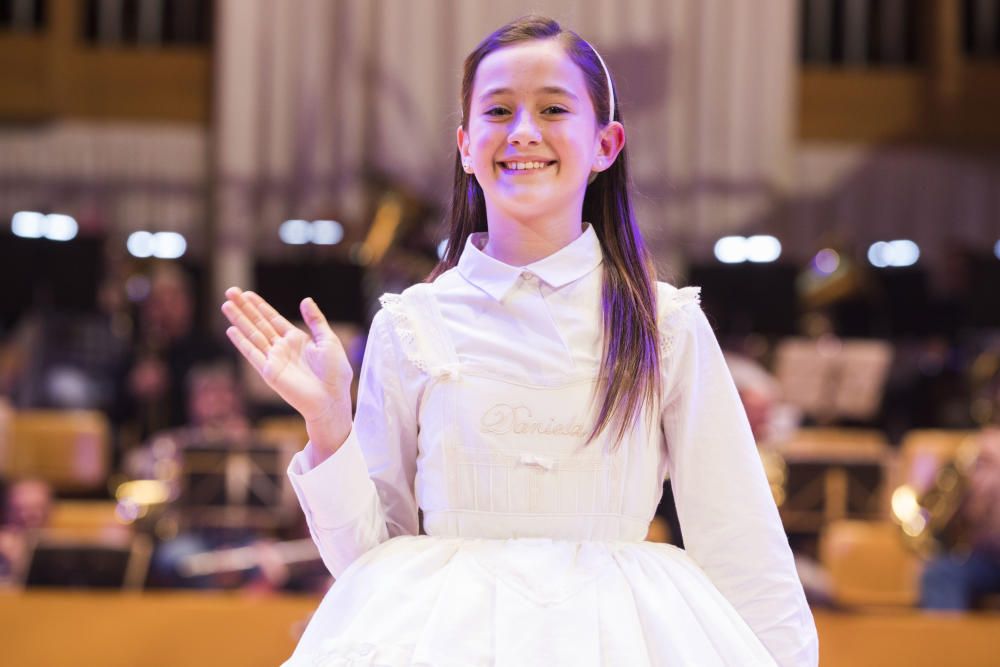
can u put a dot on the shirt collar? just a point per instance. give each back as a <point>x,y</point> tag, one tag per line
<point>569,263</point>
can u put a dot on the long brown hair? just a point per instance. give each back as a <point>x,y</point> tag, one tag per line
<point>630,368</point>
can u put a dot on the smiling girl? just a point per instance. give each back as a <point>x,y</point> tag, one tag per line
<point>545,308</point>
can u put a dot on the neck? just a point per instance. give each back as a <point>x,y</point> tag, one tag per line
<point>520,242</point>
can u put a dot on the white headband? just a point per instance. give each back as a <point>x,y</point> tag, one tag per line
<point>611,91</point>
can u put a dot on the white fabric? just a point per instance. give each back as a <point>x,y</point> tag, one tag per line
<point>474,401</point>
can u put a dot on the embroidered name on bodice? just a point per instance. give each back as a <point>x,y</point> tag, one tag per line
<point>504,419</point>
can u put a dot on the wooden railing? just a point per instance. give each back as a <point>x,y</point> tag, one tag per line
<point>221,629</point>
<point>55,73</point>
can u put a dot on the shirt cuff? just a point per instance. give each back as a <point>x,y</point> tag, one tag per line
<point>338,490</point>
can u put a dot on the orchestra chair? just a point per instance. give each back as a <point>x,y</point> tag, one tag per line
<point>69,449</point>
<point>869,564</point>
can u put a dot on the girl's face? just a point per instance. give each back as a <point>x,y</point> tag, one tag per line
<point>533,139</point>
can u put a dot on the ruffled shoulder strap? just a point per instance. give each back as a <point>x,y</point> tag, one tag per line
<point>415,320</point>
<point>673,304</point>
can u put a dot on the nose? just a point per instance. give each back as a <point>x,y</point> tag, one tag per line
<point>524,131</point>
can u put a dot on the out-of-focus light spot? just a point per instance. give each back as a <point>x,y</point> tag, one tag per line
<point>140,244</point>
<point>996,250</point>
<point>901,252</point>
<point>731,249</point>
<point>327,232</point>
<point>28,224</point>
<point>904,252</point>
<point>59,227</point>
<point>826,261</point>
<point>905,504</point>
<point>169,245</point>
<point>137,288</point>
<point>915,525</point>
<point>295,232</point>
<point>443,248</point>
<point>763,248</point>
<point>878,254</point>
<point>143,491</point>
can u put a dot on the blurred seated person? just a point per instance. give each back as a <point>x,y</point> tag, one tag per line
<point>959,581</point>
<point>216,408</point>
<point>151,383</point>
<point>26,510</point>
<point>62,359</point>
<point>772,420</point>
<point>216,411</point>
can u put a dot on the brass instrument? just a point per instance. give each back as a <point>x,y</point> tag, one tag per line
<point>932,520</point>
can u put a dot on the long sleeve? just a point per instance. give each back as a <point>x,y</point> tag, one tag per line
<point>363,494</point>
<point>729,520</point>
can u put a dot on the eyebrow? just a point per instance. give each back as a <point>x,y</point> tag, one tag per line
<point>551,90</point>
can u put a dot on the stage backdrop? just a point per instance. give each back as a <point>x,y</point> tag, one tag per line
<point>312,95</point>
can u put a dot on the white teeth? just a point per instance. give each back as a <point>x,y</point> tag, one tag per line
<point>525,165</point>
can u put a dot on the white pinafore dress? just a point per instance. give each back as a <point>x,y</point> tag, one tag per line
<point>534,551</point>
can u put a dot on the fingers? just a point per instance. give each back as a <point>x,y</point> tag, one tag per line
<point>316,321</point>
<point>247,349</point>
<point>246,328</point>
<point>246,317</point>
<point>280,324</point>
<point>249,305</point>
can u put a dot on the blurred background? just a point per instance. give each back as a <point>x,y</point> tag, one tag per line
<point>827,170</point>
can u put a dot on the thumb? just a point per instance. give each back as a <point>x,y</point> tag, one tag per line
<point>315,320</point>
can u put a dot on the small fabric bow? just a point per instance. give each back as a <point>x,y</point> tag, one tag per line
<point>540,461</point>
<point>446,371</point>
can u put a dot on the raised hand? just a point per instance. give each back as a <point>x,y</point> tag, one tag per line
<point>311,373</point>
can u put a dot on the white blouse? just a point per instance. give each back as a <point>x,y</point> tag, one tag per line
<point>521,347</point>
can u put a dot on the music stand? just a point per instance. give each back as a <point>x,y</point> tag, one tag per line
<point>836,379</point>
<point>89,564</point>
<point>229,484</point>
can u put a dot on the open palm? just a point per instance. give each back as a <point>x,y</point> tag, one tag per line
<point>310,372</point>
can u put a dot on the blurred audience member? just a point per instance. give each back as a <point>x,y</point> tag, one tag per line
<point>958,581</point>
<point>152,380</point>
<point>216,412</point>
<point>772,420</point>
<point>27,506</point>
<point>55,359</point>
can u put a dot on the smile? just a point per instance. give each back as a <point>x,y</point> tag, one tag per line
<point>524,167</point>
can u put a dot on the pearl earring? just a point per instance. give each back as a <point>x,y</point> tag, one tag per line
<point>467,165</point>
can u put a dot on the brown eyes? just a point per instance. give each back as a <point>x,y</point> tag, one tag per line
<point>503,111</point>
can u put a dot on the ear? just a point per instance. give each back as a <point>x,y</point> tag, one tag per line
<point>610,142</point>
<point>463,142</point>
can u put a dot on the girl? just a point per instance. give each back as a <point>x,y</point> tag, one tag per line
<point>529,400</point>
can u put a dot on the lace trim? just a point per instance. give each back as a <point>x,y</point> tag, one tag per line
<point>403,326</point>
<point>670,307</point>
<point>409,337</point>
